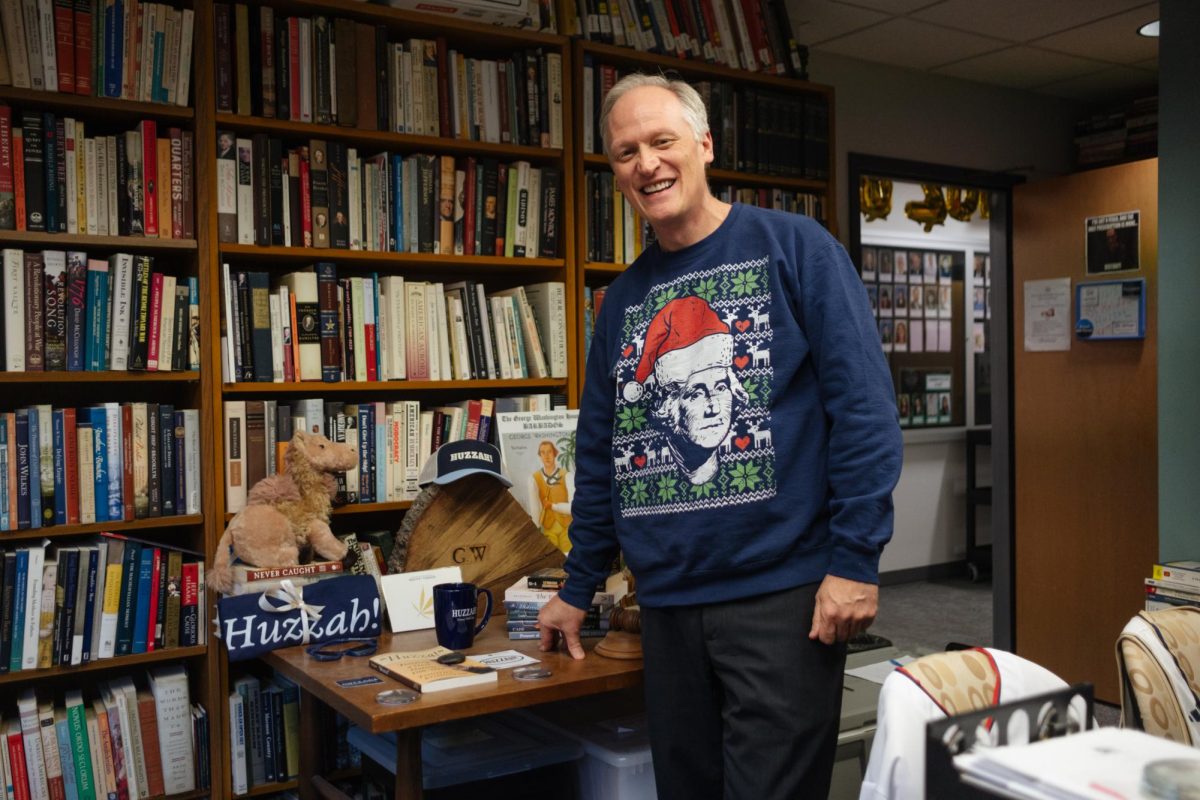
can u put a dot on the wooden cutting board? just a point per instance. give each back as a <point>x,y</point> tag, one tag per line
<point>475,524</point>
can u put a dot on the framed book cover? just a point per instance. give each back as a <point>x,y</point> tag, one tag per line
<point>538,451</point>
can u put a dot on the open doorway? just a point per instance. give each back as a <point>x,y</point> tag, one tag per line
<point>931,243</point>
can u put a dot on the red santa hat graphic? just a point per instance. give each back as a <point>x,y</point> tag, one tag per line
<point>684,337</point>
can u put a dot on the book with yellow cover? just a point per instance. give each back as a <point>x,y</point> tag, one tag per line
<point>422,672</point>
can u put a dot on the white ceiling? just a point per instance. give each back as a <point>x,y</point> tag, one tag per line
<point>1083,50</point>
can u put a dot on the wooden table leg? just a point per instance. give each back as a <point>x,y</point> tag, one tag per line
<point>408,765</point>
<point>313,715</point>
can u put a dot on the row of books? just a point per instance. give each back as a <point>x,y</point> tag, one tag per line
<point>324,194</point>
<point>526,597</point>
<point>393,439</point>
<point>76,313</point>
<point>130,50</point>
<point>743,34</point>
<point>55,179</point>
<point>125,739</point>
<point>103,463</point>
<point>333,70</point>
<point>264,731</point>
<point>593,297</point>
<point>316,326</point>
<point>1172,584</point>
<point>108,596</point>
<point>756,130</point>
<point>1118,134</point>
<point>789,200</point>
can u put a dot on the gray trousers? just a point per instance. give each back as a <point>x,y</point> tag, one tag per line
<point>741,704</point>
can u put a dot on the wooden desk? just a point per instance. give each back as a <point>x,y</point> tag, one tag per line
<point>319,694</point>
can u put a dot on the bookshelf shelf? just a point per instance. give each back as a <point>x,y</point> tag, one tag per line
<point>603,268</point>
<point>360,508</point>
<point>192,376</point>
<point>57,531</point>
<point>242,124</point>
<point>318,387</point>
<point>634,59</point>
<point>119,663</point>
<point>271,788</point>
<point>98,107</point>
<point>306,255</point>
<point>77,241</point>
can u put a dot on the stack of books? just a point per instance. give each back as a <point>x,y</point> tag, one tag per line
<point>525,598</point>
<point>1174,583</point>
<point>264,731</point>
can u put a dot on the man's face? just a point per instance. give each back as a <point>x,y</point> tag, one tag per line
<point>705,407</point>
<point>657,161</point>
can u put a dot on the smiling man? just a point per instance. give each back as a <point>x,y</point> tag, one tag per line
<point>738,441</point>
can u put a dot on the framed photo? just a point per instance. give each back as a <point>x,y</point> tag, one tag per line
<point>902,407</point>
<point>1112,243</point>
<point>538,452</point>
<point>979,273</point>
<point>900,336</point>
<point>885,265</point>
<point>931,301</point>
<point>945,301</point>
<point>900,301</point>
<point>979,302</point>
<point>914,266</point>
<point>945,268</point>
<point>869,254</point>
<point>916,336</point>
<point>885,334</point>
<point>930,271</point>
<point>916,301</point>
<point>873,298</point>
<point>885,300</point>
<point>943,407</point>
<point>918,408</point>
<point>901,266</point>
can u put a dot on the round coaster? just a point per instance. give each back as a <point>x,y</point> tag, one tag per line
<point>396,697</point>
<point>532,673</point>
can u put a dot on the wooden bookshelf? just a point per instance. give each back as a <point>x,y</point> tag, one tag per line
<point>394,387</point>
<point>82,241</point>
<point>117,663</point>
<point>396,261</point>
<point>106,376</point>
<point>134,527</point>
<point>105,109</point>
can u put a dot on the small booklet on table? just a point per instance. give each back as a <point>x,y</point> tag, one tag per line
<point>421,670</point>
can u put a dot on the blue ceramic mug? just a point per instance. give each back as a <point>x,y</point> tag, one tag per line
<point>455,607</point>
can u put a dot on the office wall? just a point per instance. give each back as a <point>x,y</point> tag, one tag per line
<point>898,113</point>
<point>1086,455</point>
<point>1179,283</point>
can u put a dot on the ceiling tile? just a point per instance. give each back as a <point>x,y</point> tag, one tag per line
<point>1021,67</point>
<point>1021,20</point>
<point>1114,39</point>
<point>907,43</point>
<point>816,21</point>
<point>1112,84</point>
<point>891,6</point>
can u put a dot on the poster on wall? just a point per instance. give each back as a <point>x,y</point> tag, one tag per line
<point>1112,243</point>
<point>1047,315</point>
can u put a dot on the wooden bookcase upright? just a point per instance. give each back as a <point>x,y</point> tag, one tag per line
<point>182,258</point>
<point>495,272</point>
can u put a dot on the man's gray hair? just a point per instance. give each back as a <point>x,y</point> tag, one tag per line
<point>694,111</point>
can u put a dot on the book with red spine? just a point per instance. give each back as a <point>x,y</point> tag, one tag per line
<point>64,43</point>
<point>156,566</point>
<point>83,47</point>
<point>177,167</point>
<point>18,775</point>
<point>18,156</point>
<point>469,208</point>
<point>150,188</point>
<point>70,466</point>
<point>305,197</point>
<point>8,199</point>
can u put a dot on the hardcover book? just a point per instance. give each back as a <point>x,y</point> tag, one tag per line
<point>426,675</point>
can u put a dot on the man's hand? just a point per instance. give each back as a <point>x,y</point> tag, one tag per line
<point>561,619</point>
<point>843,608</point>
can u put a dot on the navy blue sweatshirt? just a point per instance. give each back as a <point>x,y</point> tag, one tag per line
<point>738,431</point>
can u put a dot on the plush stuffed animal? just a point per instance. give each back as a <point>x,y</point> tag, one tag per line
<point>285,512</point>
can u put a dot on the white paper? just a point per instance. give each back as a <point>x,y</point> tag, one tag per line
<point>409,596</point>
<point>1047,315</point>
<point>877,673</point>
<point>1109,309</point>
<point>505,659</point>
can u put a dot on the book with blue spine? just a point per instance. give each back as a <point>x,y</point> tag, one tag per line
<point>89,602</point>
<point>96,324</point>
<point>396,234</point>
<point>100,460</point>
<point>20,587</point>
<point>159,92</point>
<point>141,617</point>
<point>21,446</point>
<point>60,474</point>
<point>66,754</point>
<point>381,446</point>
<point>116,475</point>
<point>114,45</point>
<point>35,468</point>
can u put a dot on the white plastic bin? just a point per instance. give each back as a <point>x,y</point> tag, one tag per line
<point>616,763</point>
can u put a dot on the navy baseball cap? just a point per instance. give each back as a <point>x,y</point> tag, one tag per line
<point>455,460</point>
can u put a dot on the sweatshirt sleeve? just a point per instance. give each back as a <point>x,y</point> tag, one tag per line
<point>593,537</point>
<point>866,449</point>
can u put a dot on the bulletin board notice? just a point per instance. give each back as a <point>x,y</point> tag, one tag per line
<point>1111,310</point>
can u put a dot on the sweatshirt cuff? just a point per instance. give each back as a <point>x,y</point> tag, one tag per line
<point>580,598</point>
<point>855,565</point>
